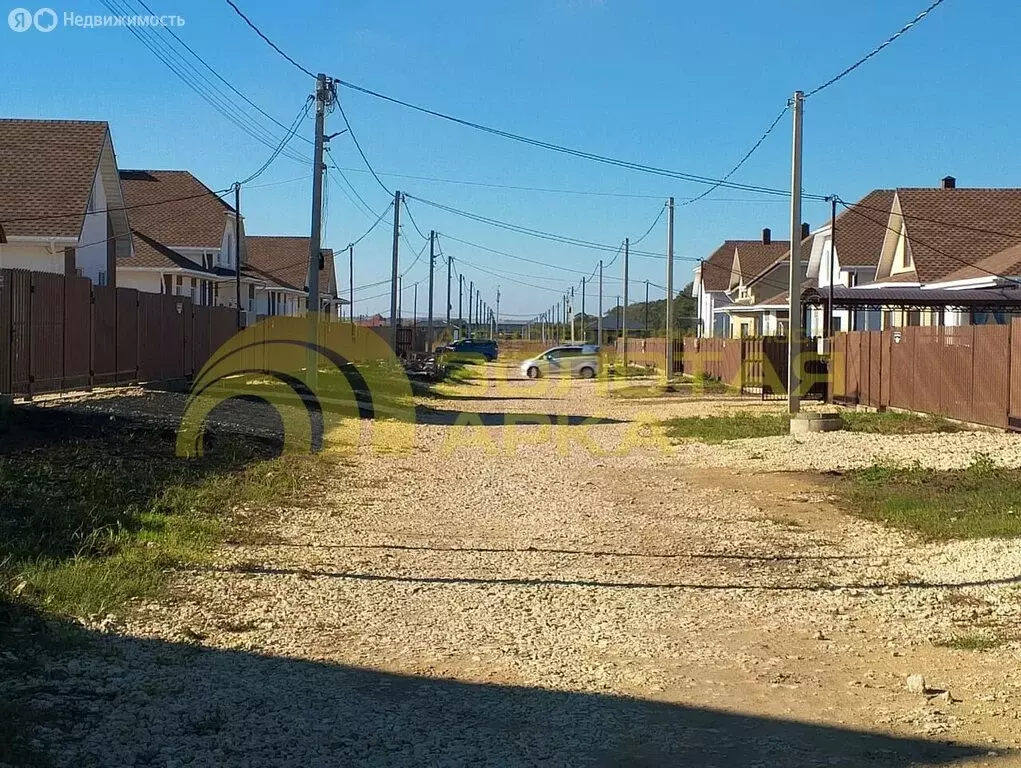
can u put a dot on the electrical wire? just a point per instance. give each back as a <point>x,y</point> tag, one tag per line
<point>875,50</point>
<point>683,176</point>
<point>651,226</point>
<point>302,113</point>
<point>268,42</point>
<point>357,144</point>
<point>374,225</point>
<point>79,215</point>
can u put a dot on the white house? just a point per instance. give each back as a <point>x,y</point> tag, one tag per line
<point>61,204</point>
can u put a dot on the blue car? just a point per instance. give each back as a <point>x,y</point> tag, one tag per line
<point>473,349</point>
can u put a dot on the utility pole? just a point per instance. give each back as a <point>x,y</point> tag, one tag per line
<point>432,266</point>
<point>351,277</point>
<point>460,306</point>
<point>497,333</point>
<point>237,247</point>
<point>450,266</point>
<point>471,303</point>
<point>400,298</point>
<point>833,277</point>
<point>584,321</point>
<point>646,309</point>
<point>573,337</point>
<point>394,278</point>
<point>599,320</point>
<point>794,286</point>
<point>627,248</point>
<point>315,239</point>
<point>670,291</point>
<point>414,316</point>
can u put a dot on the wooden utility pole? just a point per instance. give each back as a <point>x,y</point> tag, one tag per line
<point>670,291</point>
<point>432,268</point>
<point>315,238</point>
<point>623,332</point>
<point>394,276</point>
<point>599,320</point>
<point>794,285</point>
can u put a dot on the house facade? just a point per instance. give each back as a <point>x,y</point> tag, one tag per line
<point>280,264</point>
<point>61,202</point>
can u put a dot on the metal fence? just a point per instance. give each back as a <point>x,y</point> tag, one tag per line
<point>970,373</point>
<point>59,333</point>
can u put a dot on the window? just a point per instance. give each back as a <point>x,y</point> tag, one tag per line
<point>102,278</point>
<point>852,279</point>
<point>194,290</point>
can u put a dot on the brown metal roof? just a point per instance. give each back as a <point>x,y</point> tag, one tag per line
<point>755,257</point>
<point>47,168</point>
<point>860,233</point>
<point>941,226</point>
<point>284,260</point>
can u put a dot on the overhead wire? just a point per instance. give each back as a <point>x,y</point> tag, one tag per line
<point>268,42</point>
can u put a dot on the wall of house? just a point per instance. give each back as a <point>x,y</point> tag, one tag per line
<point>33,256</point>
<point>743,325</point>
<point>92,244</point>
<point>147,282</point>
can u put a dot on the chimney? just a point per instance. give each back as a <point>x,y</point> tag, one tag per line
<point>806,230</point>
<point>767,236</point>
<point>949,182</point>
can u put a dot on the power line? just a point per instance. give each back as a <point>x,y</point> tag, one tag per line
<point>122,208</point>
<point>740,162</point>
<point>268,42</point>
<point>357,144</point>
<point>511,255</point>
<point>302,113</point>
<point>374,225</point>
<point>875,50</point>
<point>651,226</point>
<point>683,176</point>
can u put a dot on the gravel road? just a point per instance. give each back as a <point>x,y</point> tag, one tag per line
<point>570,591</point>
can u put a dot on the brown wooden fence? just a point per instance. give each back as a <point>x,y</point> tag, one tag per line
<point>971,373</point>
<point>60,333</point>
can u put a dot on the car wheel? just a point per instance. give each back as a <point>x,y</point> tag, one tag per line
<point>533,372</point>
<point>587,373</point>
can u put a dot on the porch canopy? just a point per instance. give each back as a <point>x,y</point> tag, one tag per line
<point>979,300</point>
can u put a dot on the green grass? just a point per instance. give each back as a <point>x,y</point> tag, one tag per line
<point>972,642</point>
<point>718,429</point>
<point>980,501</point>
<point>100,517</point>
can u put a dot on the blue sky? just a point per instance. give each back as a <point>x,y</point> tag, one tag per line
<point>683,85</point>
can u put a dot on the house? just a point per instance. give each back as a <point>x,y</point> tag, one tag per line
<point>945,258</point>
<point>724,278</point>
<point>859,244</point>
<point>759,272</point>
<point>281,263</point>
<point>184,240</point>
<point>61,205</point>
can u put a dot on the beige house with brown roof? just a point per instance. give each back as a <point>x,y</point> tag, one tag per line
<point>282,263</point>
<point>61,204</point>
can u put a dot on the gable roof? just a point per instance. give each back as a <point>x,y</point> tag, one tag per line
<point>47,169</point>
<point>941,227</point>
<point>717,268</point>
<point>284,260</point>
<point>861,229</point>
<point>753,257</point>
<point>1006,263</point>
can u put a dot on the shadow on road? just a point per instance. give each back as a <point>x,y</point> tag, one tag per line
<point>426,415</point>
<point>113,700</point>
<point>545,582</point>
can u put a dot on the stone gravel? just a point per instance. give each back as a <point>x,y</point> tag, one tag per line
<point>572,593</point>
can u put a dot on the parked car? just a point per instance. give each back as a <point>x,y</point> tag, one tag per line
<point>572,360</point>
<point>472,350</point>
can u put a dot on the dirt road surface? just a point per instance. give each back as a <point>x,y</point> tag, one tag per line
<point>578,594</point>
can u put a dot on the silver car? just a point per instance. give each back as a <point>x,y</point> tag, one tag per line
<point>569,360</point>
